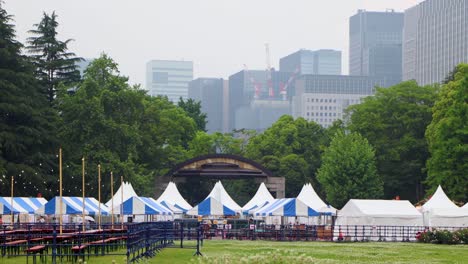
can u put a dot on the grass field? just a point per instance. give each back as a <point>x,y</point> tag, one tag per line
<point>229,251</point>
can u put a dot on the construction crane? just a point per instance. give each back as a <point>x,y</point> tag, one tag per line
<point>271,93</point>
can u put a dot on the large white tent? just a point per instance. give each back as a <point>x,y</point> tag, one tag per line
<point>261,198</point>
<point>379,213</point>
<point>439,211</point>
<point>311,199</point>
<point>220,194</point>
<point>172,199</point>
<point>465,206</point>
<point>127,193</point>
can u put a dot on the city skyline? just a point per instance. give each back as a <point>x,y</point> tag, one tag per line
<point>220,38</point>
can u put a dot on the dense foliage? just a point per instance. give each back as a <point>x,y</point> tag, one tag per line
<point>26,144</point>
<point>394,121</point>
<point>54,63</point>
<point>292,149</point>
<point>348,170</point>
<point>448,138</point>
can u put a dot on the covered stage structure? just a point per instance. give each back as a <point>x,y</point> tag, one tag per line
<point>220,167</point>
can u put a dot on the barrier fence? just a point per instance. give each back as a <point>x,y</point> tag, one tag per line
<point>45,243</point>
<point>48,243</point>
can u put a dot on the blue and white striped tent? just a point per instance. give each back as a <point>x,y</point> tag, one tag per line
<point>4,209</point>
<point>175,208</point>
<point>21,205</point>
<point>136,205</point>
<point>211,206</point>
<point>72,205</point>
<point>286,207</point>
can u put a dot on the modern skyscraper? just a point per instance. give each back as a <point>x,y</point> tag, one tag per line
<point>435,40</point>
<point>375,44</point>
<point>169,78</point>
<point>323,61</point>
<point>210,92</point>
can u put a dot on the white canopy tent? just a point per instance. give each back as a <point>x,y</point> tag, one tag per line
<point>311,199</point>
<point>465,206</point>
<point>172,199</point>
<point>261,198</point>
<point>128,192</point>
<point>379,213</point>
<point>439,211</point>
<point>220,194</point>
<point>375,219</point>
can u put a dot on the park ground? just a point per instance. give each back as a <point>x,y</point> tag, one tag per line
<point>233,251</point>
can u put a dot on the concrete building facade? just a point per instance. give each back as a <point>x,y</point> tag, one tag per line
<point>435,40</point>
<point>169,78</point>
<point>324,98</point>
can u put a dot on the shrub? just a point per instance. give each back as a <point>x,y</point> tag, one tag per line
<point>462,235</point>
<point>443,237</point>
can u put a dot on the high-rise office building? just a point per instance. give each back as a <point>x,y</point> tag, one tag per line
<point>375,44</point>
<point>323,62</point>
<point>210,92</point>
<point>169,78</point>
<point>435,40</point>
<point>324,98</point>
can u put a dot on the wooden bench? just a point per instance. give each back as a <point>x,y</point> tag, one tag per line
<point>77,250</point>
<point>14,246</point>
<point>34,250</point>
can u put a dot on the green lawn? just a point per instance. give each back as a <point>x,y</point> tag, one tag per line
<point>228,251</point>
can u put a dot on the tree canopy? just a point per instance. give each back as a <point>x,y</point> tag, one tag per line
<point>394,121</point>
<point>348,170</point>
<point>26,144</point>
<point>54,63</point>
<point>303,140</point>
<point>447,135</point>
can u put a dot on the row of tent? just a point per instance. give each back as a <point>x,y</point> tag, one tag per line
<point>438,211</point>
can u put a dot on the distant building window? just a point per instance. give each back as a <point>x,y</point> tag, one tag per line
<point>160,77</point>
<point>321,100</point>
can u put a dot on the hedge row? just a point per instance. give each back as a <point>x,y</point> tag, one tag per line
<point>444,237</point>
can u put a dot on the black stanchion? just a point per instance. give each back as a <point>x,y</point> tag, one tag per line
<point>199,235</point>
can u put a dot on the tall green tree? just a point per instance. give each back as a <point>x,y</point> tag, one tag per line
<point>119,126</point>
<point>349,171</point>
<point>394,121</point>
<point>448,138</point>
<point>26,144</point>
<point>54,63</point>
<point>193,109</point>
<point>287,136</point>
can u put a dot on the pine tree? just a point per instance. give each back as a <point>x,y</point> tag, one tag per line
<point>54,63</point>
<point>25,120</point>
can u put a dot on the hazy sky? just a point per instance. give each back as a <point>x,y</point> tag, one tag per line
<point>219,36</point>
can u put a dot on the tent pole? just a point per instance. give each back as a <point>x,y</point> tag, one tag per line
<point>112,201</point>
<point>11,202</point>
<point>121,203</point>
<point>83,172</point>
<point>99,196</point>
<point>60,192</point>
